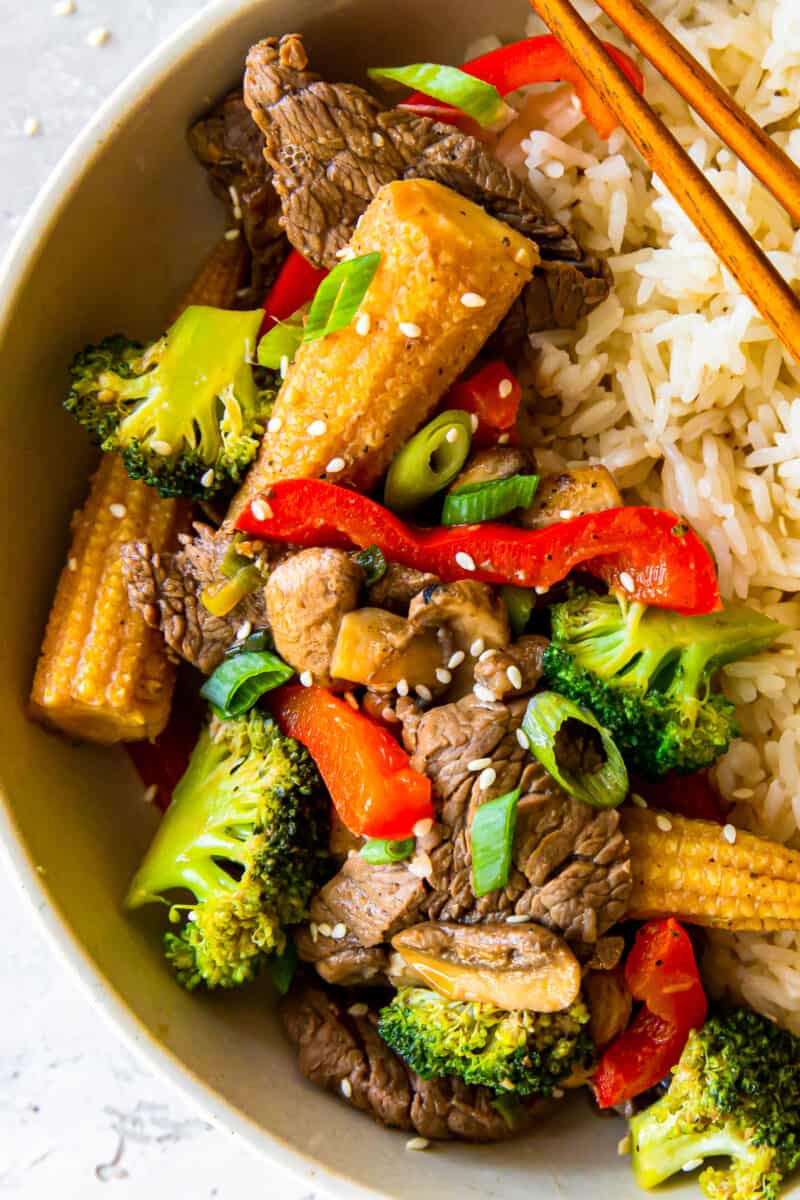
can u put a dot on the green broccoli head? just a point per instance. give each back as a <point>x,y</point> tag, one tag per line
<point>246,835</point>
<point>522,1052</point>
<point>187,412</point>
<point>646,673</point>
<point>735,1093</point>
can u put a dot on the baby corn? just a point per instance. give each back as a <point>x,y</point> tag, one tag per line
<point>102,674</point>
<point>691,870</point>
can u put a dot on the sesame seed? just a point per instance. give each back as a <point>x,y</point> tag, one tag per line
<point>523,740</point>
<point>261,510</point>
<point>663,823</point>
<point>63,8</point>
<point>417,1143</point>
<point>98,36</point>
<point>335,466</point>
<point>487,654</point>
<point>541,591</point>
<point>479,764</point>
<point>423,692</point>
<point>409,329</point>
<point>274,424</point>
<point>473,420</point>
<point>483,693</point>
<point>150,794</point>
<point>31,127</point>
<point>233,192</point>
<point>402,687</point>
<point>729,833</point>
<point>283,365</point>
<point>517,919</point>
<point>504,388</point>
<point>306,679</point>
<point>162,448</point>
<point>514,677</point>
<point>241,292</point>
<point>73,564</point>
<point>473,300</point>
<point>325,929</point>
<point>638,800</point>
<point>339,931</point>
<point>377,140</point>
<point>566,514</point>
<point>558,1093</point>
<point>350,699</point>
<point>487,778</point>
<point>231,235</point>
<point>477,648</point>
<point>626,579</point>
<point>207,478</point>
<point>692,1165</point>
<point>423,827</point>
<point>465,561</point>
<point>346,1088</point>
<point>345,252</point>
<point>443,675</point>
<point>244,630</point>
<point>421,865</point>
<point>389,716</point>
<point>451,435</point>
<point>743,793</point>
<point>317,429</point>
<point>117,510</point>
<point>455,660</point>
<point>313,930</point>
<point>358,1010</point>
<point>363,323</point>
<point>504,439</point>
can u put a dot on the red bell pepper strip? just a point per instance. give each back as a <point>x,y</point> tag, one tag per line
<point>295,286</point>
<point>373,787</point>
<point>493,396</point>
<point>687,795</point>
<point>162,762</point>
<point>660,971</point>
<point>535,60</point>
<point>648,554</point>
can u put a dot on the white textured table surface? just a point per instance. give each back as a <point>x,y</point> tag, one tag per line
<point>79,1117</point>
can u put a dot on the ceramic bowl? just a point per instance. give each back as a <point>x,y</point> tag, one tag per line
<point>110,244</point>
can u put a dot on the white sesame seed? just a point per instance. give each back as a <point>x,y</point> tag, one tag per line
<point>409,329</point>
<point>389,716</point>
<point>358,1010</point>
<point>150,794</point>
<point>261,510</point>
<point>523,739</point>
<point>487,654</point>
<point>443,675</point>
<point>473,300</point>
<point>626,579</point>
<point>231,235</point>
<point>729,833</point>
<point>517,919</point>
<point>346,1088</point>
<point>233,192</point>
<point>325,929</point>
<point>451,435</point>
<point>63,8</point>
<point>402,687</point>
<point>98,36</point>
<point>73,564</point>
<point>162,448</point>
<point>541,591</point>
<point>743,793</point>
<point>558,1093</point>
<point>312,929</point>
<point>339,931</point>
<point>479,764</point>
<point>377,140</point>
<point>306,679</point>
<point>117,510</point>
<point>663,823</point>
<point>692,1165</point>
<point>335,466</point>
<point>487,778</point>
<point>283,366</point>
<point>350,698</point>
<point>244,630</point>
<point>514,676</point>
<point>465,561</point>
<point>504,388</point>
<point>566,514</point>
<point>477,648</point>
<point>455,660</point>
<point>483,693</point>
<point>274,424</point>
<point>317,429</point>
<point>345,252</point>
<point>420,865</point>
<point>417,1143</point>
<point>638,800</point>
<point>423,827</point>
<point>423,692</point>
<point>504,439</point>
<point>207,478</point>
<point>241,292</point>
<point>31,127</point>
<point>474,422</point>
<point>363,323</point>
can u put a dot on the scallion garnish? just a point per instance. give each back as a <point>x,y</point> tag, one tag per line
<point>339,295</point>
<point>380,851</point>
<point>492,839</point>
<point>477,502</point>
<point>472,96</point>
<point>240,681</point>
<point>280,344</point>
<point>374,564</point>
<point>547,712</point>
<point>282,968</point>
<point>520,602</point>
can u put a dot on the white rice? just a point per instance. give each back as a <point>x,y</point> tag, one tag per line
<point>678,386</point>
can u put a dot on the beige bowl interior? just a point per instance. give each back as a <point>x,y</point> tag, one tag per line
<point>110,246</point>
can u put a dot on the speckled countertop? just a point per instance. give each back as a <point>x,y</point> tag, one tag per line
<point>79,1117</point>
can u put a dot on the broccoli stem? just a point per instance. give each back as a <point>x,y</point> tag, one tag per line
<point>656,1155</point>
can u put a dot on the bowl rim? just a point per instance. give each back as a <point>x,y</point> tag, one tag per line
<point>15,269</point>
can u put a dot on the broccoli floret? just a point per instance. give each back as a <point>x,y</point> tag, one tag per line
<point>646,673</point>
<point>523,1052</point>
<point>246,835</point>
<point>187,412</point>
<point>735,1093</point>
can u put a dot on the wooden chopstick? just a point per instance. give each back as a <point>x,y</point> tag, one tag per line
<point>710,101</point>
<point>715,222</point>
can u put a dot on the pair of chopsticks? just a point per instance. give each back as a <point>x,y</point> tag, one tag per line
<point>744,258</point>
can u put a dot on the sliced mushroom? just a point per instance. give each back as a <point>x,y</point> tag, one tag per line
<point>574,491</point>
<point>514,967</point>
<point>377,648</point>
<point>476,617</point>
<point>610,1004</point>
<point>497,463</point>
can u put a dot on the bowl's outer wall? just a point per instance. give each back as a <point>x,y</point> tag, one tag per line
<point>112,250</point>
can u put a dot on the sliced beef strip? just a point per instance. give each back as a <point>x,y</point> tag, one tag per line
<point>343,962</point>
<point>229,144</point>
<point>340,1049</point>
<point>373,902</point>
<point>166,590</point>
<point>525,655</point>
<point>331,148</point>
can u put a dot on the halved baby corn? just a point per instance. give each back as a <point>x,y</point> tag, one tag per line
<point>691,870</point>
<point>102,674</point>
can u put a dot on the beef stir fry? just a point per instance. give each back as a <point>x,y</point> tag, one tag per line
<point>438,684</point>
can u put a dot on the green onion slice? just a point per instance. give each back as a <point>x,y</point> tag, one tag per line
<point>374,564</point>
<point>225,598</point>
<point>492,839</point>
<point>520,602</point>
<point>280,344</point>
<point>545,714</point>
<point>489,500</point>
<point>282,968</point>
<point>240,681</point>
<point>429,462</point>
<point>380,851</point>
<point>339,296</point>
<point>254,642</point>
<point>472,96</point>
